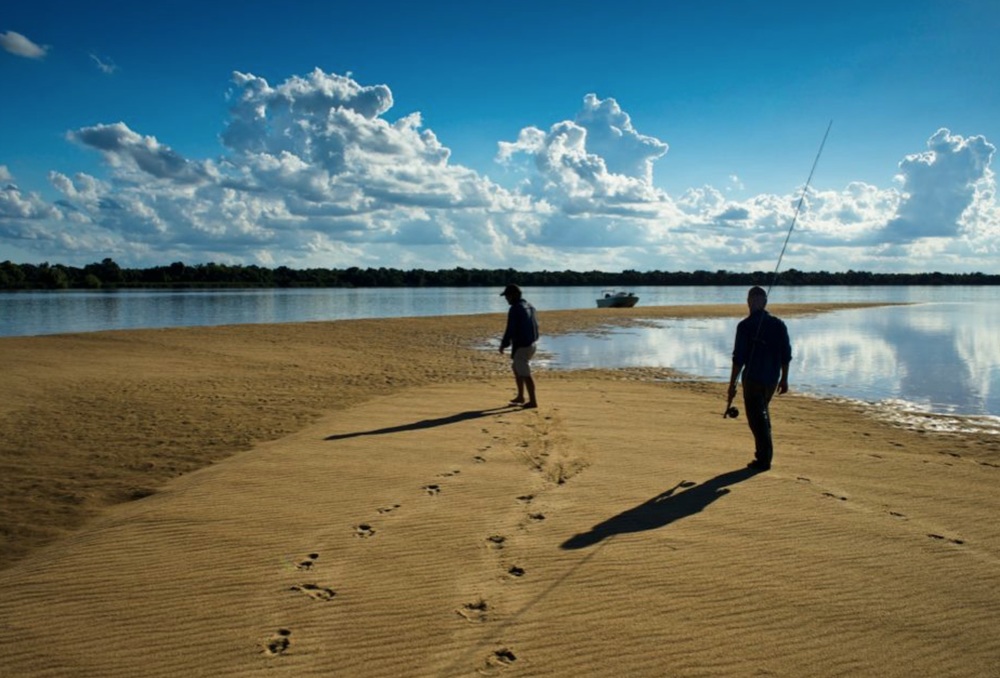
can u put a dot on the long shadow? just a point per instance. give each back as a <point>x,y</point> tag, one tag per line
<point>662,509</point>
<point>428,423</point>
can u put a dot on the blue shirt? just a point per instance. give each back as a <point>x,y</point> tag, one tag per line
<point>522,327</point>
<point>762,347</point>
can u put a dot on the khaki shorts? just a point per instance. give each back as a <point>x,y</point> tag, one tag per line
<point>520,360</point>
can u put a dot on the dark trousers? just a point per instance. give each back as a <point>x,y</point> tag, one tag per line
<point>756,397</point>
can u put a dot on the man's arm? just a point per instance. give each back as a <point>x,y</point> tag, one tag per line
<point>738,360</point>
<point>508,331</point>
<point>733,376</point>
<point>786,359</point>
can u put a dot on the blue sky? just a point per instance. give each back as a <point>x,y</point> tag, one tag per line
<point>544,135</point>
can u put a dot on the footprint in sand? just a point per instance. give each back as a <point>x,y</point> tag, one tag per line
<point>500,658</point>
<point>537,516</point>
<point>803,479</point>
<point>431,489</point>
<point>315,592</point>
<point>308,562</point>
<point>278,643</point>
<point>516,571</point>
<point>479,460</point>
<point>364,530</point>
<point>834,496</point>
<point>474,612</point>
<point>496,541</point>
<point>896,514</point>
<point>449,474</point>
<point>526,498</point>
<point>943,538</point>
<point>388,509</point>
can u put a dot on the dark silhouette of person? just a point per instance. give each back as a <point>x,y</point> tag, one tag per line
<point>761,353</point>
<point>521,335</point>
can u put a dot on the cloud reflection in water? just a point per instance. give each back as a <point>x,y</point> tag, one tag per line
<point>943,358</point>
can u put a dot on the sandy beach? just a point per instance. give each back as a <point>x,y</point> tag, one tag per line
<point>355,498</point>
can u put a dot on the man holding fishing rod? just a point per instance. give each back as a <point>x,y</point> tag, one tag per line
<point>762,352</point>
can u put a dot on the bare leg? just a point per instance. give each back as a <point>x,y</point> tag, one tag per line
<point>520,389</point>
<point>529,383</point>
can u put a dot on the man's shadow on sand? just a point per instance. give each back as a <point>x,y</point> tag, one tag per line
<point>662,509</point>
<point>428,423</point>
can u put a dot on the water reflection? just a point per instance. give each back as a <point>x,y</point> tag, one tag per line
<point>942,354</point>
<point>942,357</point>
<point>50,312</point>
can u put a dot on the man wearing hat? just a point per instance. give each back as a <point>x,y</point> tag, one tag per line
<point>521,335</point>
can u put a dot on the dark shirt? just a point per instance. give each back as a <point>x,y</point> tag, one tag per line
<point>762,347</point>
<point>522,327</point>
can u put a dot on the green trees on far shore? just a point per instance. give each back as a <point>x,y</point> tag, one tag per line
<point>109,275</point>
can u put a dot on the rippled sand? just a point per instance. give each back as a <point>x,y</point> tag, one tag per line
<point>354,498</point>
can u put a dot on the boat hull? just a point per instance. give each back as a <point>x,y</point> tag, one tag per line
<point>618,301</point>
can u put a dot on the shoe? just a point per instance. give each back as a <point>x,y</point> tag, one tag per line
<point>758,465</point>
<point>529,406</point>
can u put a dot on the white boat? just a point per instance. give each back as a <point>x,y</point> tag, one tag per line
<point>615,299</point>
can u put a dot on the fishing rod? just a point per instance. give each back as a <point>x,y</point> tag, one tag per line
<point>730,411</point>
<point>798,208</point>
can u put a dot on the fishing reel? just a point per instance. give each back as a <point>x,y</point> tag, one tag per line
<point>731,412</point>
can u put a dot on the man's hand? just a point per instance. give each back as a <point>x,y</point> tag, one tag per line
<point>501,350</point>
<point>783,386</point>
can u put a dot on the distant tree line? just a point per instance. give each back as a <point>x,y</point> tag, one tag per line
<point>109,275</point>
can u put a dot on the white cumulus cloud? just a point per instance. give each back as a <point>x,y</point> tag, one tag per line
<point>125,149</point>
<point>595,163</point>
<point>939,185</point>
<point>317,170</point>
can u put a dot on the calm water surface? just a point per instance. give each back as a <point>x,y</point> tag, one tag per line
<point>940,355</point>
<point>936,357</point>
<point>33,313</point>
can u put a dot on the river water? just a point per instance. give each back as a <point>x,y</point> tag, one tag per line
<point>940,355</point>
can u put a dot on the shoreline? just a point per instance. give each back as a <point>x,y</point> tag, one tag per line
<point>96,419</point>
